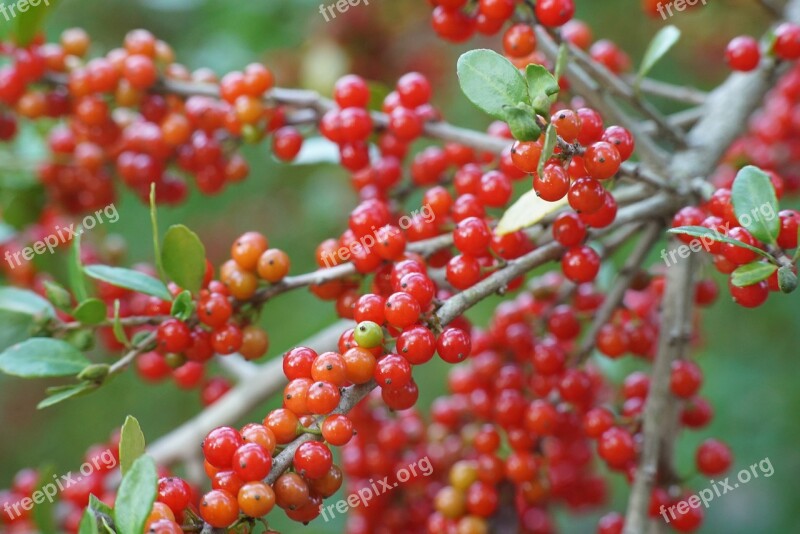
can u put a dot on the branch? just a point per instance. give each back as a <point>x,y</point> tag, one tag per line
<point>258,387</point>
<point>614,297</point>
<point>725,114</point>
<point>679,93</point>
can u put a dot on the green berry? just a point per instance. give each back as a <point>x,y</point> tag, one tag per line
<point>368,334</point>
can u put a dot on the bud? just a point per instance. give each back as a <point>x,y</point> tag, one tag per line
<point>94,373</point>
<point>59,296</point>
<point>787,279</point>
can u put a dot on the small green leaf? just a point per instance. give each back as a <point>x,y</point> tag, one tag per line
<point>184,258</point>
<point>129,279</point>
<point>118,329</point>
<point>75,271</point>
<point>97,373</point>
<point>136,496</point>
<point>663,41</point>
<point>62,393</point>
<point>58,296</point>
<point>99,506</point>
<point>90,311</point>
<point>752,273</point>
<point>154,228</point>
<point>183,306</point>
<point>522,123</point>
<point>42,357</point>
<point>705,233</point>
<point>30,21</point>
<point>22,314</point>
<point>550,140</point>
<point>561,61</point>
<point>751,194</point>
<point>542,88</point>
<point>490,81</point>
<point>131,444</point>
<point>88,524</point>
<point>787,279</point>
<point>528,210</point>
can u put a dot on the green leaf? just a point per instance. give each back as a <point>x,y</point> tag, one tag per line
<point>542,88</point>
<point>91,312</point>
<point>75,271</point>
<point>23,206</point>
<point>30,21</point>
<point>154,228</point>
<point>550,140</point>
<point>491,82</point>
<point>183,306</point>
<point>22,313</point>
<point>131,444</point>
<point>522,123</point>
<point>184,258</point>
<point>43,511</point>
<point>704,233</point>
<point>99,506</point>
<point>663,41</point>
<point>62,393</point>
<point>528,210</point>
<point>129,279</point>
<point>752,273</point>
<point>88,524</point>
<point>58,296</point>
<point>752,192</point>
<point>117,328</point>
<point>42,357</point>
<point>136,496</point>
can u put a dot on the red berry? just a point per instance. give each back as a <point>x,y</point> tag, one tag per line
<point>743,53</point>
<point>713,458</point>
<point>580,264</point>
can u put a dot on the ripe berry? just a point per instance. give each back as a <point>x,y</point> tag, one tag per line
<point>519,41</point>
<point>219,508</point>
<point>351,91</point>
<point>175,493</point>
<point>323,398</point>
<point>173,336</point>
<point>616,447</point>
<point>453,345</point>
<point>713,457</point>
<point>413,89</point>
<point>251,462</point>
<point>313,460</point>
<point>472,236</point>
<point>751,296</point>
<point>220,445</point>
<point>686,378</point>
<point>286,143</point>
<point>416,344</point>
<point>256,499</point>
<point>743,53</point>
<point>401,310</point>
<point>525,155</point>
<point>569,229</point>
<point>787,41</point>
<point>553,184</point>
<point>337,429</point>
<point>393,371</point>
<point>586,195</point>
<point>580,264</point>
<point>554,12</point>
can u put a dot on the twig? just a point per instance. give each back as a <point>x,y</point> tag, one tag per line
<point>256,388</point>
<point>143,346</point>
<point>679,93</point>
<point>614,297</point>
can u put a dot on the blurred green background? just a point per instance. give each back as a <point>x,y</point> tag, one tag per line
<point>746,355</point>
